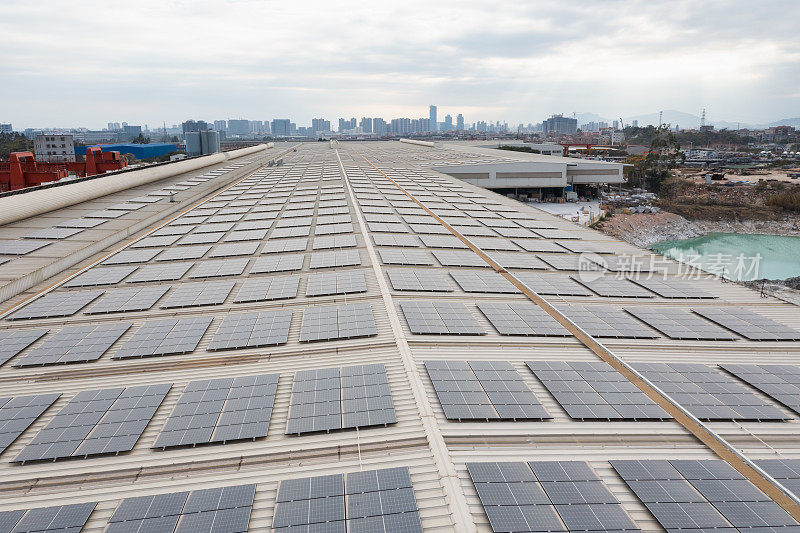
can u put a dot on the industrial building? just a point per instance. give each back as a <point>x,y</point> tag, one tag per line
<point>341,337</point>
<point>54,148</point>
<point>139,151</point>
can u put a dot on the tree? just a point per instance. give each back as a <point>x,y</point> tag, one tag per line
<point>13,142</point>
<point>651,170</point>
<point>141,139</point>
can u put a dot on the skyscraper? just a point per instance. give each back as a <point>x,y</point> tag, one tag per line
<point>320,124</point>
<point>460,122</point>
<point>281,127</point>
<point>433,124</point>
<point>448,122</point>
<point>366,125</point>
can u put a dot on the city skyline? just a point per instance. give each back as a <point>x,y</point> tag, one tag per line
<point>508,62</point>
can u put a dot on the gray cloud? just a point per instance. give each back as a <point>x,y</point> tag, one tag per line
<point>151,61</point>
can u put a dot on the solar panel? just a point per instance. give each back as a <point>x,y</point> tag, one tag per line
<point>514,232</point>
<point>547,496</point>
<point>172,230</point>
<point>296,231</point>
<point>56,304</point>
<point>707,393</point>
<point>786,471</point>
<point>442,318</point>
<point>106,213</point>
<point>395,240</point>
<point>234,249</point>
<point>459,258</point>
<point>57,519</point>
<point>197,294</point>
<point>13,341</point>
<point>263,289</point>
<point>382,501</point>
<point>347,282</point>
<point>334,241</point>
<point>701,495</point>
<point>245,235</point>
<point>101,276</point>
<point>522,319</point>
<point>184,253</point>
<point>570,262</point>
<point>580,247</point>
<point>278,263</point>
<point>251,330</point>
<point>483,281</point>
<point>387,227</point>
<point>164,337</point>
<point>316,502</point>
<point>166,272</point>
<point>749,324</point>
<point>628,264</point>
<point>494,243</point>
<point>330,229</point>
<point>335,258</point>
<point>593,390</point>
<point>337,322</point>
<point>779,382</point>
<point>612,287</point>
<point>334,398</point>
<point>211,227</point>
<point>538,245</point>
<point>219,509</point>
<point>75,344</point>
<point>18,413</point>
<point>678,323</point>
<point>443,241</point>
<point>519,260</point>
<point>607,322</point>
<point>552,284</point>
<point>96,422</point>
<point>53,233</point>
<point>483,390</point>
<point>156,242</point>
<point>401,256</point>
<point>132,256</point>
<point>418,279</point>
<point>285,245</point>
<point>220,267</point>
<point>556,233</point>
<point>80,223</point>
<point>200,238</point>
<point>220,410</point>
<point>671,288</point>
<point>122,300</point>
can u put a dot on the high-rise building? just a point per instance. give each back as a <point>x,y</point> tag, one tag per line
<point>379,126</point>
<point>238,126</point>
<point>281,127</point>
<point>54,148</point>
<point>320,125</point>
<point>366,125</point>
<point>114,126</point>
<point>433,124</point>
<point>131,132</point>
<point>448,122</point>
<point>560,124</point>
<point>220,125</point>
<point>635,123</point>
<point>194,125</point>
<point>460,122</point>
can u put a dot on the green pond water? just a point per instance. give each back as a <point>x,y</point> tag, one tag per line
<point>738,256</point>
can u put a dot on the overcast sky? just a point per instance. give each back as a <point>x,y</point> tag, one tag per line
<point>83,63</point>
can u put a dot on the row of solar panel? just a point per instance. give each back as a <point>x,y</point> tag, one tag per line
<point>370,501</point>
<point>690,495</point>
<point>593,390</point>
<point>79,344</point>
<point>219,410</point>
<point>486,281</point>
<point>528,319</point>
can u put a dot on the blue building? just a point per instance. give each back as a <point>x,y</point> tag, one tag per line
<point>139,151</point>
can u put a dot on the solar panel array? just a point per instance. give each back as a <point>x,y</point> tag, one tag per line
<point>671,287</point>
<point>483,390</point>
<point>74,344</point>
<point>220,410</point>
<point>440,318</point>
<point>708,393</point>
<point>702,495</point>
<point>14,341</point>
<point>264,289</point>
<point>749,324</point>
<point>327,283</point>
<point>18,413</point>
<point>779,382</point>
<point>219,509</point>
<point>56,519</point>
<point>164,337</point>
<point>522,319</point>
<point>56,304</point>
<point>483,281</point>
<point>333,398</point>
<point>374,501</point>
<point>604,321</point>
<point>337,322</point>
<point>786,471</point>
<point>418,279</point>
<point>251,330</point>
<point>593,390</point>
<point>541,496</point>
<point>96,422</point>
<point>678,323</point>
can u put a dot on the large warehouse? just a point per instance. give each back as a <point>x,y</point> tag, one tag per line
<point>342,338</point>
